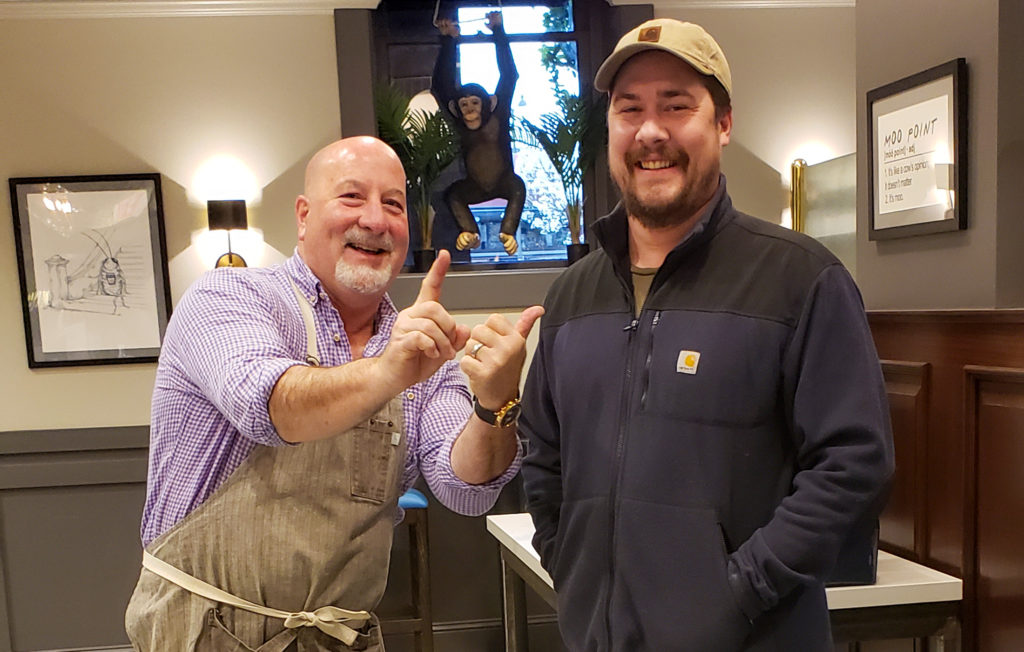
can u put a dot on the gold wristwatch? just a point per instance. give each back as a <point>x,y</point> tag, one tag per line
<point>503,418</point>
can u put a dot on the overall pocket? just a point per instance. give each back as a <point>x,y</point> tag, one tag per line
<point>217,638</point>
<point>375,447</point>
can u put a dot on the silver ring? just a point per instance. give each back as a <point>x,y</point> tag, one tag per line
<point>476,349</point>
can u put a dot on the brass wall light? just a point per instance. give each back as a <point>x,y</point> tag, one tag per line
<point>227,214</point>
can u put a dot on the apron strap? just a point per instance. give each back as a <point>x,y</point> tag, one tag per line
<point>329,620</point>
<point>312,356</point>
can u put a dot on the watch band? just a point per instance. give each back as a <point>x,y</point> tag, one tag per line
<point>505,416</point>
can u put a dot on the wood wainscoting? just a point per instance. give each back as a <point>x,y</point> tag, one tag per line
<point>955,382</point>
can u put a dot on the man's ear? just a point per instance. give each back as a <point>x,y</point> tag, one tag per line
<point>725,128</point>
<point>453,106</point>
<point>301,213</point>
<point>494,103</point>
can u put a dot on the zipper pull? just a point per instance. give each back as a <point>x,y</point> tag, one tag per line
<point>657,318</point>
<point>632,325</point>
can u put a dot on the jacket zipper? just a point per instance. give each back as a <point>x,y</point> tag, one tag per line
<point>620,444</point>
<point>646,381</point>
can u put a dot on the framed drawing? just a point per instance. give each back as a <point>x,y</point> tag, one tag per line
<point>92,262</point>
<point>917,161</point>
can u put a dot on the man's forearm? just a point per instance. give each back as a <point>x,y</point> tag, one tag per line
<point>310,403</point>
<point>482,452</point>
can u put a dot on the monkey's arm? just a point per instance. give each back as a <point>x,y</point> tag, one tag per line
<point>506,68</point>
<point>442,83</point>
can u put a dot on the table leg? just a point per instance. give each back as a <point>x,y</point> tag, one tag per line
<point>514,609</point>
<point>947,639</point>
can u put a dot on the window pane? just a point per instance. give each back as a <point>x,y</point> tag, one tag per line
<point>546,69</point>
<point>518,20</point>
<point>538,84</point>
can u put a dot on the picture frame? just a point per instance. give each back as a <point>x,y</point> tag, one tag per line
<point>917,154</point>
<point>92,263</point>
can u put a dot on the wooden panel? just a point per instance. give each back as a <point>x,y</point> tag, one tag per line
<point>412,60</point>
<point>902,524</point>
<point>948,341</point>
<point>995,563</point>
<point>968,514</point>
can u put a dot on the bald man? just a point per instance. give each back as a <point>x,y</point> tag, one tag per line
<point>293,406</point>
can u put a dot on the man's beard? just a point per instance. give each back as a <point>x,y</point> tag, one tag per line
<point>695,192</point>
<point>365,279</point>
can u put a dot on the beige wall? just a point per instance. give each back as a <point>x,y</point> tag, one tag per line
<point>92,96</point>
<point>794,94</point>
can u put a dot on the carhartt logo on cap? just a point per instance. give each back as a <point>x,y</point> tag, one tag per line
<point>650,35</point>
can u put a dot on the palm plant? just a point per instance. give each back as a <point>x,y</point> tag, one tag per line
<point>571,139</point>
<point>424,143</point>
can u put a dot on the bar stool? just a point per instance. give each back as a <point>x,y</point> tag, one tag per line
<point>420,624</point>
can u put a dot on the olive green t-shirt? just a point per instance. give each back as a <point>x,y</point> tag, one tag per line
<point>642,277</point>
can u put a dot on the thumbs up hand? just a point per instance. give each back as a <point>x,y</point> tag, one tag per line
<point>425,336</point>
<point>495,353</point>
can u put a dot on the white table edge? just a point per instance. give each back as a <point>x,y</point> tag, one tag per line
<point>900,581</point>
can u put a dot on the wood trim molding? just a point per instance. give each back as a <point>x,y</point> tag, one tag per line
<point>173,8</point>
<point>974,376</point>
<point>1008,316</point>
<point>917,377</point>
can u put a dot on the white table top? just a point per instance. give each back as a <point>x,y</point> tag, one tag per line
<point>900,581</point>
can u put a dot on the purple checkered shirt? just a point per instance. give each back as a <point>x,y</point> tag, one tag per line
<point>232,335</point>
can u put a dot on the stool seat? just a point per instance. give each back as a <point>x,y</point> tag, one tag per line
<point>412,499</point>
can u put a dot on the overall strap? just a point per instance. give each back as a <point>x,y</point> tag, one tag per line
<point>312,355</point>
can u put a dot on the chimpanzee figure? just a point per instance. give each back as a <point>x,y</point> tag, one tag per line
<point>482,122</point>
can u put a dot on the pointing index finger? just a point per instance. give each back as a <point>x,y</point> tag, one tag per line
<point>430,288</point>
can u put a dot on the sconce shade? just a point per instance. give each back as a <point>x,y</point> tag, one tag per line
<point>226,214</point>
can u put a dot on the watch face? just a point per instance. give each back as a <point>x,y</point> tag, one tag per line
<point>510,416</point>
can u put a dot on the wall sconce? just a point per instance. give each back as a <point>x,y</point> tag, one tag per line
<point>227,214</point>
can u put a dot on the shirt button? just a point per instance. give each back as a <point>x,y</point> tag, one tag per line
<point>410,395</point>
<point>337,338</point>
<point>323,295</point>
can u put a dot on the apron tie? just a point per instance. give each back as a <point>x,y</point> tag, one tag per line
<point>329,620</point>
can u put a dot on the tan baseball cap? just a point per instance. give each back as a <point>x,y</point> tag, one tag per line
<point>687,41</point>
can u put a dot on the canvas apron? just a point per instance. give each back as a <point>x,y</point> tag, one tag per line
<point>304,529</point>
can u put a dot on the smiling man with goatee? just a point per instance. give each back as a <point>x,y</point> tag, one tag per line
<point>705,411</point>
<point>293,406</point>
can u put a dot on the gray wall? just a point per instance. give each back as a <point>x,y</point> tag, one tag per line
<point>70,502</point>
<point>979,267</point>
<point>1010,158</point>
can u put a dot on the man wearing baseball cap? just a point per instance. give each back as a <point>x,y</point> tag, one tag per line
<point>705,410</point>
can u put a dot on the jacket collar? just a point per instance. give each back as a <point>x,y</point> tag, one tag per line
<point>612,230</point>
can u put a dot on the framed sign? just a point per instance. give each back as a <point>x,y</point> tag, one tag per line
<point>92,262</point>
<point>917,161</point>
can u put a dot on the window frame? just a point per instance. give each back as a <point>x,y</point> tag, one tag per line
<point>361,43</point>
